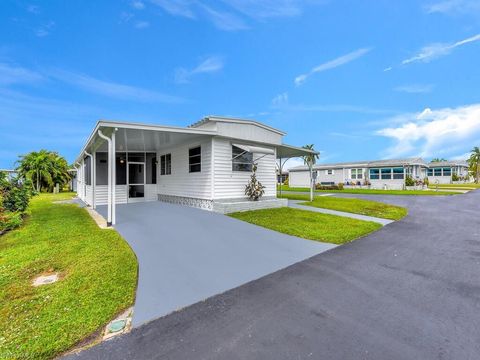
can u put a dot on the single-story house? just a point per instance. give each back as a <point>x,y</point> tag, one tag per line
<point>380,174</point>
<point>206,165</point>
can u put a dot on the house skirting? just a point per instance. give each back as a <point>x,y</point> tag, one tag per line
<point>225,206</point>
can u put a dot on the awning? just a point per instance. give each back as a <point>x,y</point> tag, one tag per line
<point>255,149</point>
<point>289,151</point>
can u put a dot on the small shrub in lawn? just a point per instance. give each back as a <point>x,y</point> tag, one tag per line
<point>14,198</point>
<point>328,187</point>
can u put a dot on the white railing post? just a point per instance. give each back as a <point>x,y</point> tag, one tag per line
<point>109,157</point>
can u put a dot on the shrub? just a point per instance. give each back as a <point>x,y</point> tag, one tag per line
<point>425,181</point>
<point>10,220</point>
<point>286,181</point>
<point>455,177</point>
<point>254,189</point>
<point>328,187</point>
<point>14,198</point>
<point>409,181</point>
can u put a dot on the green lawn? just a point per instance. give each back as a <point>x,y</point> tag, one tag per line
<point>456,186</point>
<point>371,192</point>
<point>98,273</point>
<point>356,206</point>
<point>309,225</point>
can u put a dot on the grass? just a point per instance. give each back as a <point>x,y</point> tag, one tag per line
<point>356,206</point>
<point>308,224</point>
<point>370,191</point>
<point>456,186</point>
<point>98,273</point>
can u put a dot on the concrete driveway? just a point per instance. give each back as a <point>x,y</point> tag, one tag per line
<point>408,291</point>
<point>186,255</point>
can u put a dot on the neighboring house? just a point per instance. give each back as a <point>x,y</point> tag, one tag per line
<point>10,173</point>
<point>380,174</point>
<point>205,165</point>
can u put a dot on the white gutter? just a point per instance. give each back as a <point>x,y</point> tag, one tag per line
<point>109,201</point>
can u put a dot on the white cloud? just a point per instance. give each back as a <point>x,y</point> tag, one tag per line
<point>387,69</point>
<point>10,74</point>
<point>451,7</point>
<point>224,20</point>
<point>262,9</point>
<point>342,60</point>
<point>137,4</point>
<point>209,65</point>
<point>434,51</point>
<point>114,90</point>
<point>280,100</point>
<point>231,15</point>
<point>415,88</point>
<point>431,132</point>
<point>34,9</point>
<point>142,24</point>
<point>45,29</point>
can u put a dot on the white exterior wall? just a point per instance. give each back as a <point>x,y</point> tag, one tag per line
<point>322,176</point>
<point>88,195</point>
<point>299,179</point>
<point>181,182</point>
<point>242,131</point>
<point>439,180</point>
<point>391,184</point>
<point>229,184</point>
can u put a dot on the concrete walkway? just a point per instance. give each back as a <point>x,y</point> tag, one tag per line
<point>187,255</point>
<point>296,204</point>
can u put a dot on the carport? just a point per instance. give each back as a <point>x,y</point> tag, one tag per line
<point>186,255</point>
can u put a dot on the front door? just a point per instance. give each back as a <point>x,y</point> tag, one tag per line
<point>136,181</point>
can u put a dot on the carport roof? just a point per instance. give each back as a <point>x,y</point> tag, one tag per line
<point>131,136</point>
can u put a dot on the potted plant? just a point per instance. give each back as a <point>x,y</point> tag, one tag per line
<point>254,189</point>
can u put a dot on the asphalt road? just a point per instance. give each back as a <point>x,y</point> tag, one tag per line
<point>409,291</point>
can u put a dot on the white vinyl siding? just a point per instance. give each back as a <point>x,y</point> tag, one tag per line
<point>182,182</point>
<point>231,184</point>
<point>101,194</point>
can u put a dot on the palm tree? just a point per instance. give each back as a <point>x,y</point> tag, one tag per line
<point>310,160</point>
<point>44,169</point>
<point>474,163</point>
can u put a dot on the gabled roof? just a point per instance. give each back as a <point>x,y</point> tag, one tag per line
<point>448,163</point>
<point>213,118</point>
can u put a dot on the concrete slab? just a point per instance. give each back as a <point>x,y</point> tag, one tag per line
<point>296,204</point>
<point>187,255</point>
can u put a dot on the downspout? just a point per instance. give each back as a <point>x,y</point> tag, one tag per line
<point>109,201</point>
<point>114,179</point>
<point>92,165</point>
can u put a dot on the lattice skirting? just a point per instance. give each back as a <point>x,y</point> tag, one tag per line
<point>187,201</point>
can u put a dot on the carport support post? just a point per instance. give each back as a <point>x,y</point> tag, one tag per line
<point>114,179</point>
<point>94,181</point>
<point>91,179</point>
<point>109,191</point>
<point>84,190</point>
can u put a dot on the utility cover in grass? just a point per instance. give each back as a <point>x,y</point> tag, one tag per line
<point>45,279</point>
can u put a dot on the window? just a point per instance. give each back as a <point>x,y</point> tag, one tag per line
<point>241,160</point>
<point>357,174</point>
<point>398,173</point>
<point>437,171</point>
<point>329,172</point>
<point>166,164</point>
<point>429,172</point>
<point>195,159</point>
<point>386,173</point>
<point>374,174</point>
<point>151,168</point>
<point>101,171</point>
<point>447,171</point>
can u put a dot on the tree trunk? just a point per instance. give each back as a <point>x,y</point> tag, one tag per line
<point>38,182</point>
<point>478,171</point>
<point>311,184</point>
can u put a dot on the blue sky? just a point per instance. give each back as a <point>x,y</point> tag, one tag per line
<point>359,79</point>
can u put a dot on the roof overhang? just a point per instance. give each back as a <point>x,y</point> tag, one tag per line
<point>130,131</point>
